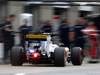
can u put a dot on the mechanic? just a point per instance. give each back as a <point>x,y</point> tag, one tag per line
<point>94,40</point>
<point>46,28</point>
<point>79,35</point>
<point>24,29</point>
<point>1,35</point>
<point>1,29</point>
<point>85,23</point>
<point>8,37</point>
<point>64,30</point>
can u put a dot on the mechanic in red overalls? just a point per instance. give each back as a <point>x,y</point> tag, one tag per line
<point>94,42</point>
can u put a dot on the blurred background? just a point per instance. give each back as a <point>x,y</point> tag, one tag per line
<point>57,13</point>
<point>43,11</point>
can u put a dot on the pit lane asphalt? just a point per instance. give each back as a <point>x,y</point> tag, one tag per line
<point>69,69</point>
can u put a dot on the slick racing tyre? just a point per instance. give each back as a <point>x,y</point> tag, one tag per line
<point>60,57</point>
<point>76,56</point>
<point>16,56</point>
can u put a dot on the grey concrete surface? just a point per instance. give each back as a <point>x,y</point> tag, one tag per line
<point>69,69</point>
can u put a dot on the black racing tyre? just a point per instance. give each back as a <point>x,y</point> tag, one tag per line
<point>76,56</point>
<point>16,58</point>
<point>60,57</point>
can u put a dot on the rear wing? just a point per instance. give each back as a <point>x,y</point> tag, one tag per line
<point>36,37</point>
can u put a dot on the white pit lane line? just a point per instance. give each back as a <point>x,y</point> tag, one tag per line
<point>20,74</point>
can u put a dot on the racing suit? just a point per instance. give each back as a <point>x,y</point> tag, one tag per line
<point>94,43</point>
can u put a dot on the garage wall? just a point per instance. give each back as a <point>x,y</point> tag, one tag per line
<point>15,8</point>
<point>46,13</point>
<point>73,14</point>
<point>43,13</point>
<point>96,9</point>
<point>3,11</point>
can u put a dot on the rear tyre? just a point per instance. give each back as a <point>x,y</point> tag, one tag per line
<point>76,56</point>
<point>16,57</point>
<point>60,57</point>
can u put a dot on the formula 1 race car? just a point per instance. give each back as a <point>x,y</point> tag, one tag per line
<point>39,49</point>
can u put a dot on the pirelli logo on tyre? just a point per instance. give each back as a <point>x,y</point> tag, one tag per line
<point>36,36</point>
